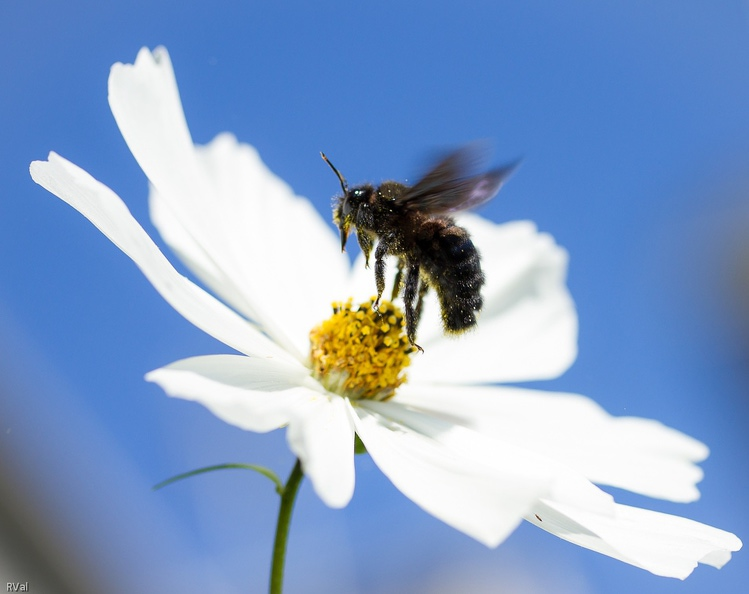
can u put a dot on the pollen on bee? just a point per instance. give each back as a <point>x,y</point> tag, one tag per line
<point>359,352</point>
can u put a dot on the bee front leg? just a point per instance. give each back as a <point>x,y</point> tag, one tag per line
<point>410,294</point>
<point>365,243</point>
<point>382,250</point>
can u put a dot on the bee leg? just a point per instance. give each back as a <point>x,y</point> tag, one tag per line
<point>365,243</point>
<point>423,288</point>
<point>398,280</point>
<point>409,299</point>
<point>383,247</point>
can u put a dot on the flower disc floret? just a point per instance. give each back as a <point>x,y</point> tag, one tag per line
<point>361,352</point>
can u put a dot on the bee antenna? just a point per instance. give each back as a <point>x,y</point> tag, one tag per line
<point>344,185</point>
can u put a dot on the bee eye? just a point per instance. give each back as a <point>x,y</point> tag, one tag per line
<point>346,207</point>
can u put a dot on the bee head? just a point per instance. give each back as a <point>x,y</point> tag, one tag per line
<point>352,210</point>
<point>344,211</point>
<point>342,217</point>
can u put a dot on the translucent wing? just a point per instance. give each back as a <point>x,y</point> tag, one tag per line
<point>449,187</point>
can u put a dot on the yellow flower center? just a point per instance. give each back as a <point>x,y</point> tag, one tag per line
<point>359,352</point>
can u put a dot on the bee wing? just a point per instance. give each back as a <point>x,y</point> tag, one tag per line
<point>447,188</point>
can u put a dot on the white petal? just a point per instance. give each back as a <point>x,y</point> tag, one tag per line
<point>640,455</point>
<point>485,502</point>
<point>565,484</point>
<point>261,230</point>
<point>252,393</point>
<point>145,103</point>
<point>321,434</point>
<point>108,213</point>
<point>580,512</point>
<point>663,544</point>
<point>528,326</point>
<point>225,213</point>
<point>264,394</point>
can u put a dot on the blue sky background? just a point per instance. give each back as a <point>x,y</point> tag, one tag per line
<point>633,122</point>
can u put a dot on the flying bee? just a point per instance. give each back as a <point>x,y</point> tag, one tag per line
<point>414,224</point>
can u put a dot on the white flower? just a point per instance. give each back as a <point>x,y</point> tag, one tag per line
<point>479,457</point>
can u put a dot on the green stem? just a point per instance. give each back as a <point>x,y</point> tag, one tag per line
<point>288,497</point>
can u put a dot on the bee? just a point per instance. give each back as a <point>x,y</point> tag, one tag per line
<point>414,224</point>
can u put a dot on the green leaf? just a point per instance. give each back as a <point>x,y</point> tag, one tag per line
<point>266,472</point>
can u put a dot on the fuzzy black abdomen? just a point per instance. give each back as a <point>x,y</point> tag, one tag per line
<point>451,265</point>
